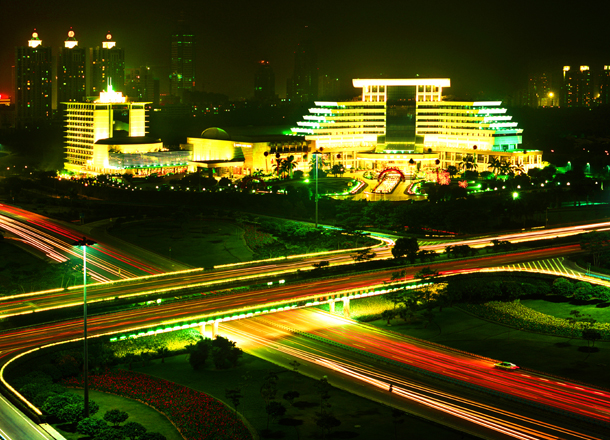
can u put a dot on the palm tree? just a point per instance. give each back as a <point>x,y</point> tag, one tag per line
<point>288,165</point>
<point>494,164</point>
<point>468,163</point>
<point>452,170</point>
<point>505,167</point>
<point>517,169</point>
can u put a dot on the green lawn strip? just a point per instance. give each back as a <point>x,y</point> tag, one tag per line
<point>151,419</point>
<point>199,243</point>
<point>359,417</point>
<point>552,354</point>
<point>563,309</point>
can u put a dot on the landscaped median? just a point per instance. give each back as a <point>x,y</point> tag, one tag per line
<point>519,316</point>
<point>196,415</point>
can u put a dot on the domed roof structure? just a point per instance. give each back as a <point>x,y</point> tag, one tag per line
<point>215,133</point>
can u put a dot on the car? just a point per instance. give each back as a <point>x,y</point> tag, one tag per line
<point>506,366</point>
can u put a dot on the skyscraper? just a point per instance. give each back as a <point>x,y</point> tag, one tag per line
<point>182,76</point>
<point>604,86</point>
<point>33,83</point>
<point>71,65</point>
<point>303,86</point>
<point>577,88</point>
<point>141,85</point>
<point>264,82</point>
<point>107,62</point>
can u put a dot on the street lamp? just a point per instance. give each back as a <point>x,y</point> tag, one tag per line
<point>316,154</point>
<point>84,243</point>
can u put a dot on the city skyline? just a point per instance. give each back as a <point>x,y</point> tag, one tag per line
<point>485,48</point>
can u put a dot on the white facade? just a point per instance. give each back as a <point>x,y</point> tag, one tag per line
<point>355,131</point>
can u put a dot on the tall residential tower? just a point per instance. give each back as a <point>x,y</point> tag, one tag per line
<point>33,84</point>
<point>182,75</point>
<point>71,66</point>
<point>107,62</point>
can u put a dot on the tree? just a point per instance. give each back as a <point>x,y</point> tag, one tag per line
<point>225,353</point>
<point>597,244</point>
<point>133,430</point>
<point>290,396</point>
<point>198,353</point>
<point>364,255</point>
<point>591,335</point>
<point>494,164</point>
<point>337,169</point>
<point>468,163</point>
<point>406,247</point>
<point>90,426</point>
<point>326,421</point>
<point>426,272</point>
<point>116,417</point>
<point>57,404</point>
<point>274,410</point>
<point>235,396</point>
<point>452,170</point>
<point>269,387</point>
<point>162,352</point>
<point>109,433</point>
<point>563,287</point>
<point>388,315</point>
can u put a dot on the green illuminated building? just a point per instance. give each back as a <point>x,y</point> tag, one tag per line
<point>183,71</point>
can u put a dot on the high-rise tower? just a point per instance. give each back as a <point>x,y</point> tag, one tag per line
<point>107,62</point>
<point>33,83</point>
<point>577,88</point>
<point>303,86</point>
<point>71,65</point>
<point>264,82</point>
<point>182,76</point>
<point>604,86</point>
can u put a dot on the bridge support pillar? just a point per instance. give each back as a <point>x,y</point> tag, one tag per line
<point>331,306</point>
<point>202,330</point>
<point>346,307</point>
<point>214,329</point>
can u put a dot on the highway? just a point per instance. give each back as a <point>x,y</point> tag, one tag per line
<point>164,315</point>
<point>19,341</point>
<point>53,241</point>
<point>478,414</point>
<point>200,280</point>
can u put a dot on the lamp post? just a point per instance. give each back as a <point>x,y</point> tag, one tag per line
<point>83,244</point>
<point>316,154</point>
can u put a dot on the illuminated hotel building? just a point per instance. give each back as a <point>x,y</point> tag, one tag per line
<point>93,136</point>
<point>33,82</point>
<point>107,62</point>
<point>71,65</point>
<point>404,123</point>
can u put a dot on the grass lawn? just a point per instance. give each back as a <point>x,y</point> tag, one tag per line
<point>360,418</point>
<point>199,243</point>
<point>563,309</point>
<point>556,355</point>
<point>152,420</point>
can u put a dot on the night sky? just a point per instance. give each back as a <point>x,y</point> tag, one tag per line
<point>487,48</point>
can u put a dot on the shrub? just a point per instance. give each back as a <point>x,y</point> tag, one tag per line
<point>563,287</point>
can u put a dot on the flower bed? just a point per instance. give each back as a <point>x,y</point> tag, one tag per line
<point>196,415</point>
<point>519,316</point>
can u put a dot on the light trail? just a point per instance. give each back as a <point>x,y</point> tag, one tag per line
<point>501,421</point>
